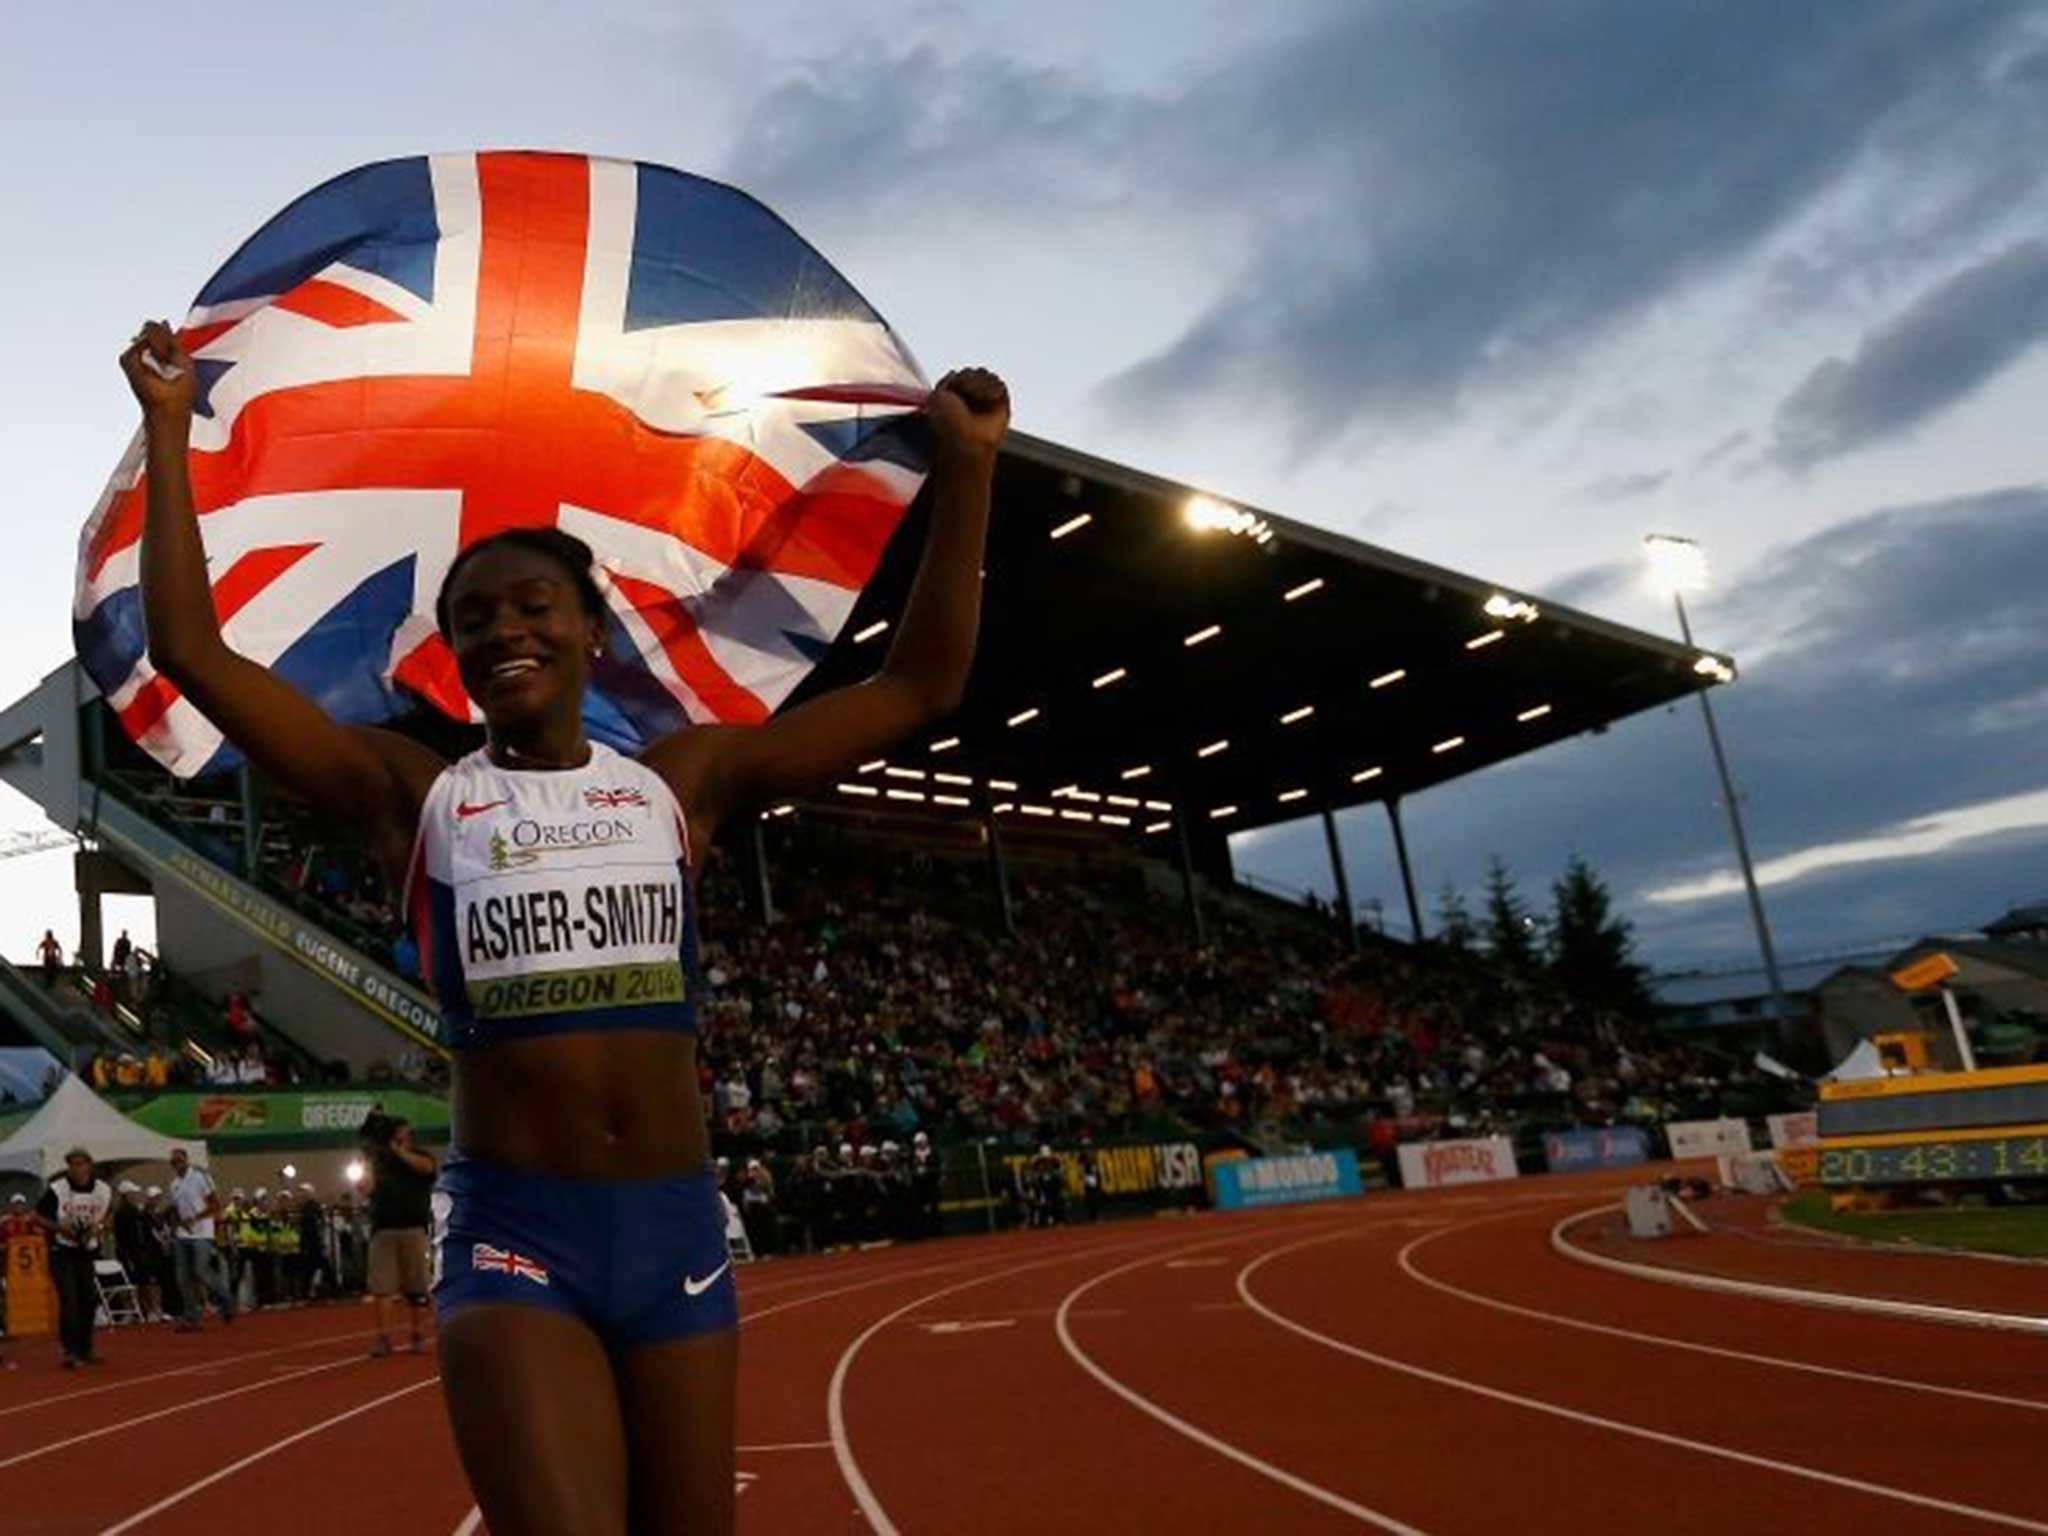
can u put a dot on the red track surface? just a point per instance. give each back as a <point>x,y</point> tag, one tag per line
<point>1414,1362</point>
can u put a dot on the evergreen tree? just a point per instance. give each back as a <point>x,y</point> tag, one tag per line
<point>1592,955</point>
<point>1510,933</point>
<point>1453,921</point>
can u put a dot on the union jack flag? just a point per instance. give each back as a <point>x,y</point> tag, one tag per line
<point>425,351</point>
<point>503,1261</point>
<point>612,799</point>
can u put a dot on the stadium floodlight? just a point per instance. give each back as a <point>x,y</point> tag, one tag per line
<point>1388,679</point>
<point>1206,632</point>
<point>1156,827</point>
<point>1296,716</point>
<point>1288,796</point>
<point>951,800</point>
<point>1022,717</point>
<point>1481,642</point>
<point>353,1172</point>
<point>1676,565</point>
<point>944,744</point>
<point>903,773</point>
<point>1213,748</point>
<point>867,790</point>
<point>1501,606</point>
<point>871,766</point>
<point>1113,675</point>
<point>1138,772</point>
<point>1073,524</point>
<point>289,1170</point>
<point>1205,514</point>
<point>1534,712</point>
<point>1448,744</point>
<point>862,637</point>
<point>1217,813</point>
<point>1366,775</point>
<point>1314,584</point>
<point>1679,566</point>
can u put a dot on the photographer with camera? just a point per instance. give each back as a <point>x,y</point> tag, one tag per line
<point>401,1196</point>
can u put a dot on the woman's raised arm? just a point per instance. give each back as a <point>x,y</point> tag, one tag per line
<point>375,778</point>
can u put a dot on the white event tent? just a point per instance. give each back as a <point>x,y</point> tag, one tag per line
<point>75,1116</point>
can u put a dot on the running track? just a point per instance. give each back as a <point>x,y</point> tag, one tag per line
<point>1406,1363</point>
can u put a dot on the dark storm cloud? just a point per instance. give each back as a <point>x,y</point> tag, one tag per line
<point>1945,344</point>
<point>1900,675</point>
<point>1592,585</point>
<point>1406,202</point>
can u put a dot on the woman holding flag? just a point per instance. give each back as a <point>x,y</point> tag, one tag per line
<point>588,1318</point>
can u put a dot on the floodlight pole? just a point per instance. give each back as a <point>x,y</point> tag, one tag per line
<point>1187,878</point>
<point>999,872</point>
<point>1393,804</point>
<point>1756,901</point>
<point>754,857</point>
<point>1345,914</point>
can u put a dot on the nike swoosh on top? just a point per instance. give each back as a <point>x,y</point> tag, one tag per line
<point>466,809</point>
<point>699,1287</point>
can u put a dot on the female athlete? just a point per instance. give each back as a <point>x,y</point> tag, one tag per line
<point>588,1319</point>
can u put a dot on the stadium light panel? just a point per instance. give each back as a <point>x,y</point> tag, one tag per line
<point>1218,812</point>
<point>1448,744</point>
<point>1288,796</point>
<point>1023,717</point>
<point>1206,632</point>
<point>1676,565</point>
<point>870,767</point>
<point>1715,668</point>
<point>944,744</point>
<point>1113,675</point>
<point>1005,785</point>
<point>1366,775</point>
<point>1077,815</point>
<point>1501,606</point>
<point>1213,748</point>
<point>868,790</point>
<point>1481,642</point>
<point>1157,826</point>
<point>782,810</point>
<point>1293,594</point>
<point>903,773</point>
<point>954,778</point>
<point>1006,807</point>
<point>1038,810</point>
<point>1089,795</point>
<point>1388,679</point>
<point>1073,524</point>
<point>1111,819</point>
<point>907,794</point>
<point>1296,716</point>
<point>1536,712</point>
<point>880,626</point>
<point>1129,800</point>
<point>951,800</point>
<point>1157,805</point>
<point>1138,772</point>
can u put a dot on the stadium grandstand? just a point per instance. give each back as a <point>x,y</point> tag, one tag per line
<point>1158,669</point>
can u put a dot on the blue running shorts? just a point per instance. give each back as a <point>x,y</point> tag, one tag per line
<point>642,1261</point>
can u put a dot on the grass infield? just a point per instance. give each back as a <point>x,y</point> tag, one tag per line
<point>2016,1231</point>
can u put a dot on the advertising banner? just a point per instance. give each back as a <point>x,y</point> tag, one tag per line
<point>1144,1169</point>
<point>1244,1182</point>
<point>223,1119</point>
<point>1800,1130</point>
<point>1433,1164</point>
<point>1621,1146</point>
<point>1707,1138</point>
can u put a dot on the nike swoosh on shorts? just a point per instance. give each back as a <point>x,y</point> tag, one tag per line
<point>695,1287</point>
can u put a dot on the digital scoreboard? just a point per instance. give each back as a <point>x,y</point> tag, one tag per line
<point>1984,1127</point>
<point>1983,1160</point>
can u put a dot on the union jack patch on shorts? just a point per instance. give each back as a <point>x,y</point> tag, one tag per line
<point>485,1256</point>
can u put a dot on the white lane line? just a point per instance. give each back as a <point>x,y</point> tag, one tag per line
<point>835,1394</point>
<point>206,1482</point>
<point>1843,1301</point>
<point>184,1370</point>
<point>847,1290</point>
<point>787,1445</point>
<point>1616,1426</point>
<point>1202,1437</point>
<point>470,1522</point>
<point>164,1413</point>
<point>1663,1341</point>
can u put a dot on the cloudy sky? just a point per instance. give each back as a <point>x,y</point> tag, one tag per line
<point>1500,285</point>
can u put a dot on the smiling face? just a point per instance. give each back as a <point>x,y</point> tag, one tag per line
<point>522,638</point>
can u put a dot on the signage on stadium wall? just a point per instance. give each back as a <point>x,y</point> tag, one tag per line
<point>1135,1170</point>
<point>222,1119</point>
<point>1479,1160</point>
<point>1800,1130</point>
<point>1245,1182</point>
<point>1620,1146</point>
<point>394,1001</point>
<point>1707,1138</point>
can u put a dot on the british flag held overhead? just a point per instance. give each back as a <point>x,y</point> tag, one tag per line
<point>424,351</point>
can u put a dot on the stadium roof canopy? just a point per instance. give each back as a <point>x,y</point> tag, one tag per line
<point>1252,670</point>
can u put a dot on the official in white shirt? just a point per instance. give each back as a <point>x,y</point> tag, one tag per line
<point>73,1212</point>
<point>195,1207</point>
